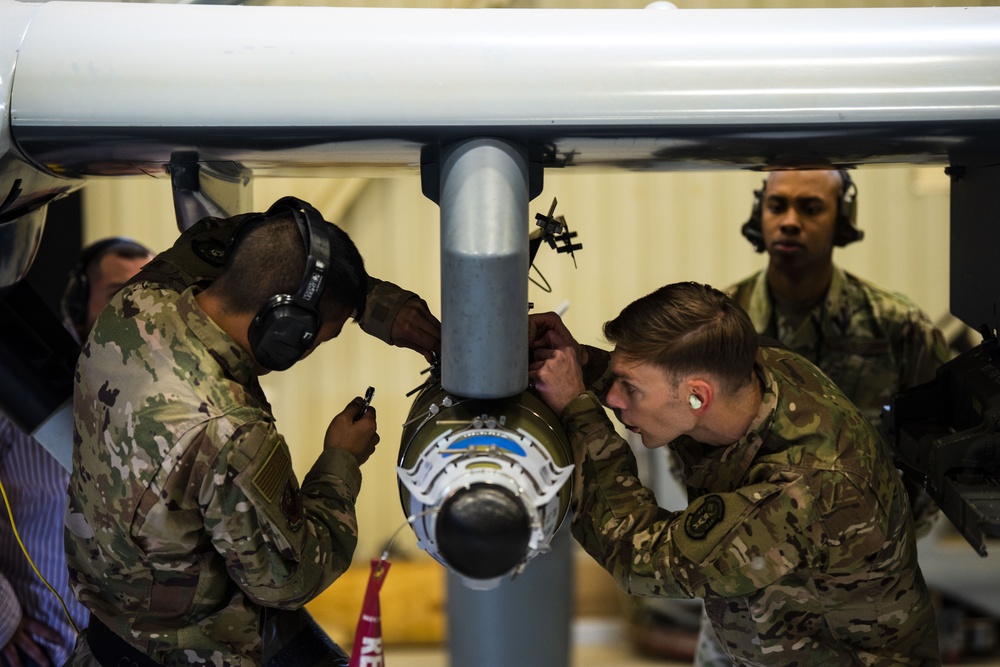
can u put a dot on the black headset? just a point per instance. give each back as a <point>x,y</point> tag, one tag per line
<point>286,326</point>
<point>846,230</point>
<point>76,295</point>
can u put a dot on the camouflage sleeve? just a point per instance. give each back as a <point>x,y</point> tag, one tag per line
<point>10,612</point>
<point>723,544</point>
<point>283,544</point>
<point>597,372</point>
<point>383,304</point>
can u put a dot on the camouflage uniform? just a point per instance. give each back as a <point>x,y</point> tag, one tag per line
<point>798,536</point>
<point>185,517</point>
<point>873,343</point>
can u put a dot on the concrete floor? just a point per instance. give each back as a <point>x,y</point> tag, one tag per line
<point>596,643</point>
<point>591,656</point>
<point>595,656</point>
<point>612,652</point>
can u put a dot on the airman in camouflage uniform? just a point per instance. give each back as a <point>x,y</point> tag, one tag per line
<point>186,519</point>
<point>798,534</point>
<point>873,343</point>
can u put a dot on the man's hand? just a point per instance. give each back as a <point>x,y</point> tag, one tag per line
<point>417,329</point>
<point>547,331</point>
<point>24,639</point>
<point>556,376</point>
<point>357,437</point>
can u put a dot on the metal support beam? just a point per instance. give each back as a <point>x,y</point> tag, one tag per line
<point>219,189</point>
<point>975,237</point>
<point>523,622</point>
<point>484,268</point>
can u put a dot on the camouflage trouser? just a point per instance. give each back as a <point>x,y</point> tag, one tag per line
<point>709,652</point>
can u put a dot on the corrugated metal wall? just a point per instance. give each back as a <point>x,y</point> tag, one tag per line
<point>639,231</point>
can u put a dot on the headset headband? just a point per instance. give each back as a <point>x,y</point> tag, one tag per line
<point>317,244</point>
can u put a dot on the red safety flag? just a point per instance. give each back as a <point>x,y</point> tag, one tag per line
<point>368,637</point>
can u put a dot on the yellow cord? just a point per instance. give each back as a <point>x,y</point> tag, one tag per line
<point>10,513</point>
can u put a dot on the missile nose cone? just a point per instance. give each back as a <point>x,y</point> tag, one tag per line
<point>483,531</point>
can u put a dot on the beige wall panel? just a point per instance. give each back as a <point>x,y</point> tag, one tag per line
<point>139,207</point>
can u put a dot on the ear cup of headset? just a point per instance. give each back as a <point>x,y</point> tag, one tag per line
<point>847,213</point>
<point>74,298</point>
<point>752,229</point>
<point>286,326</point>
<point>281,333</point>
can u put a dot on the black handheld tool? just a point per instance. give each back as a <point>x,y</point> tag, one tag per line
<point>367,403</point>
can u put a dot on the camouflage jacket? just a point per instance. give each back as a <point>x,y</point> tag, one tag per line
<point>185,517</point>
<point>873,343</point>
<point>797,536</point>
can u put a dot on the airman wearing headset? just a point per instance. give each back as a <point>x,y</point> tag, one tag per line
<point>186,522</point>
<point>870,341</point>
<point>35,629</point>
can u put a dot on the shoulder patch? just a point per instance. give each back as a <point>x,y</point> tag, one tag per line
<point>212,251</point>
<point>700,521</point>
<point>269,478</point>
<point>291,505</point>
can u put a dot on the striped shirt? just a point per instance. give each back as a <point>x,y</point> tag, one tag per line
<point>36,488</point>
<point>10,612</point>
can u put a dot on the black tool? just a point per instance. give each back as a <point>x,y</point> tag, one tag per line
<point>367,403</point>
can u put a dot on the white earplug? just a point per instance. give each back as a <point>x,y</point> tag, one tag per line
<point>694,401</point>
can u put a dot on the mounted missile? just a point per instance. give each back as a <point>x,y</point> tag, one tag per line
<point>485,483</point>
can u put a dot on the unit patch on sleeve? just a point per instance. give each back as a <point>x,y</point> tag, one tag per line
<point>212,251</point>
<point>701,520</point>
<point>291,505</point>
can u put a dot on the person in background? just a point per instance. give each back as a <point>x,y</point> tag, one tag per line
<point>34,629</point>
<point>187,525</point>
<point>798,535</point>
<point>872,342</point>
